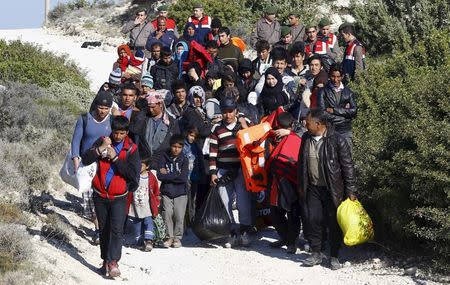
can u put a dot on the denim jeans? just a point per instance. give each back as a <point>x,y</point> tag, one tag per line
<point>141,228</point>
<point>243,199</point>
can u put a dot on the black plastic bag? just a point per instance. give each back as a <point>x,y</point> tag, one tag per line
<point>212,220</point>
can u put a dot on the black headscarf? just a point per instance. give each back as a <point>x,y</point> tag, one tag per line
<point>273,97</point>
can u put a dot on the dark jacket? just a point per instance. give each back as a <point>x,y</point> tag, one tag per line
<point>164,75</point>
<point>174,183</point>
<point>161,137</point>
<point>337,166</point>
<point>127,168</point>
<point>344,110</point>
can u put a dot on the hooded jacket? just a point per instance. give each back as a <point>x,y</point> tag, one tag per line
<point>174,183</point>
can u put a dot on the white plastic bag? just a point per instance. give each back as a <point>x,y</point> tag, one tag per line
<point>67,172</point>
<point>84,175</point>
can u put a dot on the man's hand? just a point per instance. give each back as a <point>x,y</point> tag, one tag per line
<point>76,164</point>
<point>163,171</point>
<point>214,180</point>
<point>352,197</point>
<point>320,85</point>
<point>243,122</point>
<point>281,133</point>
<point>159,34</point>
<point>111,152</point>
<point>330,110</point>
<point>138,20</point>
<point>302,82</point>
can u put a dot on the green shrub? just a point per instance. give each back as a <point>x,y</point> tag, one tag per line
<point>54,228</point>
<point>14,187</point>
<point>15,247</point>
<point>27,63</point>
<point>402,137</point>
<point>12,213</point>
<point>386,26</point>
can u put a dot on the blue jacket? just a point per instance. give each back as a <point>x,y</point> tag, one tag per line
<point>174,183</point>
<point>167,39</point>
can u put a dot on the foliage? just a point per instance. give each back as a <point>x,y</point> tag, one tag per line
<point>26,63</point>
<point>15,247</point>
<point>402,140</point>
<point>61,9</point>
<point>385,26</point>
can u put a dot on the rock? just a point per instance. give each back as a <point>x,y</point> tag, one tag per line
<point>347,264</point>
<point>410,271</point>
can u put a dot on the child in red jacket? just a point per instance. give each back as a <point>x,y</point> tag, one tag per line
<point>143,206</point>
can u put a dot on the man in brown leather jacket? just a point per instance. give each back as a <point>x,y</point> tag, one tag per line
<point>326,177</point>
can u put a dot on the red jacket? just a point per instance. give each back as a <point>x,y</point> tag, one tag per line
<point>153,190</point>
<point>126,174</point>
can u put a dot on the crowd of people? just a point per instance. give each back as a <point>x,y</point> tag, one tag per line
<point>162,132</point>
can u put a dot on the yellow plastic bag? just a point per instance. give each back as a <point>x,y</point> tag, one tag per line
<point>355,223</point>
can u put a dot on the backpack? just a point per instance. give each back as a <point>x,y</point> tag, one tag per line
<point>283,161</point>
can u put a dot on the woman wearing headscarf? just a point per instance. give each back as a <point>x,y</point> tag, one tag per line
<point>274,93</point>
<point>189,33</point>
<point>180,54</point>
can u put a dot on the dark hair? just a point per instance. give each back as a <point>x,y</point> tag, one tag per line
<point>176,139</point>
<point>130,86</point>
<point>336,67</point>
<point>155,44</point>
<point>315,57</point>
<point>225,30</point>
<point>141,9</point>
<point>178,84</point>
<point>211,44</point>
<point>318,115</point>
<point>192,130</point>
<point>216,23</point>
<point>347,29</point>
<point>165,51</point>
<point>262,45</point>
<point>279,53</point>
<point>231,92</point>
<point>285,120</point>
<point>120,123</point>
<point>297,47</point>
<point>228,76</point>
<point>161,18</point>
<point>145,160</point>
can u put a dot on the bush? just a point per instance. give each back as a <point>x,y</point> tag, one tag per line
<point>15,247</point>
<point>11,213</point>
<point>61,9</point>
<point>55,229</point>
<point>27,63</point>
<point>402,139</point>
<point>14,187</point>
<point>386,26</point>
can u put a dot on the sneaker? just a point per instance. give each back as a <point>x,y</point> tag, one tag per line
<point>113,269</point>
<point>314,259</point>
<point>245,239</point>
<point>103,270</point>
<point>335,264</point>
<point>168,243</point>
<point>232,242</point>
<point>176,243</point>
<point>291,249</point>
<point>277,244</point>
<point>96,237</point>
<point>148,245</point>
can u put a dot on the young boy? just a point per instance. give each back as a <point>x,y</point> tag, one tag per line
<point>143,206</point>
<point>263,61</point>
<point>117,175</point>
<point>165,71</point>
<point>173,174</point>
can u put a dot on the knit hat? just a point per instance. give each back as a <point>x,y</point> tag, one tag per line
<point>285,30</point>
<point>154,98</point>
<point>324,22</point>
<point>115,76</point>
<point>163,8</point>
<point>216,23</point>
<point>197,91</point>
<point>103,98</point>
<point>271,10</point>
<point>139,54</point>
<point>147,80</point>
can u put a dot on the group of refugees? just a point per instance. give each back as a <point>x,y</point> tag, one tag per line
<point>161,133</point>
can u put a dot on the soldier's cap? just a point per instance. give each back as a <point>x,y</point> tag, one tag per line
<point>285,30</point>
<point>198,6</point>
<point>271,10</point>
<point>324,22</point>
<point>163,8</point>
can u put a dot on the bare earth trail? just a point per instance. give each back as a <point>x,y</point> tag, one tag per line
<point>196,262</point>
